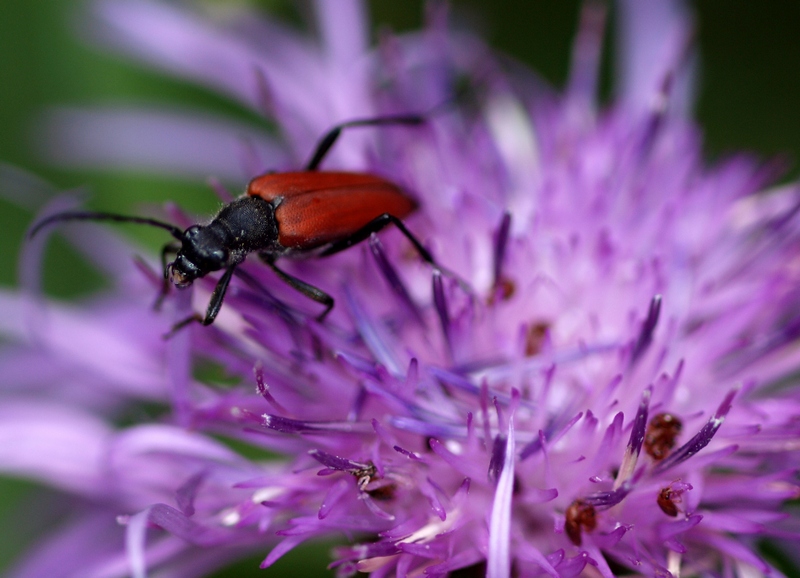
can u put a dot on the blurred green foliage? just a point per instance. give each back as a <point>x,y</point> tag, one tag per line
<point>748,99</point>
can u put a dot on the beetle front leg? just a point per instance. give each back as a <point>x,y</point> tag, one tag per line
<point>214,305</point>
<point>169,248</point>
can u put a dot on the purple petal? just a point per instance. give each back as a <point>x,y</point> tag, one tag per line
<point>62,446</point>
<point>440,302</point>
<point>572,567</point>
<point>429,491</point>
<point>602,500</point>
<point>636,439</point>
<point>391,276</point>
<point>187,493</point>
<point>499,554</point>
<point>701,439</point>
<point>500,242</point>
<point>348,16</point>
<point>135,542</point>
<point>89,544</point>
<point>376,509</point>
<point>673,529</point>
<point>498,457</point>
<point>530,553</point>
<point>263,388</point>
<point>284,546</point>
<point>335,462</point>
<point>598,560</point>
<point>160,141</point>
<point>181,42</point>
<point>653,38</point>
<point>178,524</point>
<point>375,336</point>
<point>738,551</point>
<point>288,425</point>
<point>586,51</point>
<point>465,561</point>
<point>335,493</point>
<point>645,337</point>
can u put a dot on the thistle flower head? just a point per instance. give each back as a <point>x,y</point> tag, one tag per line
<point>596,379</point>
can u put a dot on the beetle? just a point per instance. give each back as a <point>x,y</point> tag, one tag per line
<point>301,214</point>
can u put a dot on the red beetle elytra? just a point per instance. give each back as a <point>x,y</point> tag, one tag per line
<point>299,214</point>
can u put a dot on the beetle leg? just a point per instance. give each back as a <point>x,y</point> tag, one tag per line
<point>214,305</point>
<point>327,141</point>
<point>374,226</point>
<point>169,248</point>
<point>306,289</point>
<point>379,223</point>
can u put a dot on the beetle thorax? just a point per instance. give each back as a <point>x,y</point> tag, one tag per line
<point>244,226</point>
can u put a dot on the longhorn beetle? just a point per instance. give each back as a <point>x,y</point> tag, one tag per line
<point>302,214</point>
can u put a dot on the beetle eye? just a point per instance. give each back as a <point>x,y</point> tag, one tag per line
<point>191,231</point>
<point>219,256</point>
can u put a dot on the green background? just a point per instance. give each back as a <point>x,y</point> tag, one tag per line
<point>749,99</point>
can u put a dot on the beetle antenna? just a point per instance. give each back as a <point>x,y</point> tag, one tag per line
<point>94,216</point>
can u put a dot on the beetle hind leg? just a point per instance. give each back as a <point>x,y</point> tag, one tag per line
<point>374,226</point>
<point>379,223</point>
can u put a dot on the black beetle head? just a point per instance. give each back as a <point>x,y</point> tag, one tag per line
<point>201,252</point>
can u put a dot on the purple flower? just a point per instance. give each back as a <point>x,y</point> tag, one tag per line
<point>612,385</point>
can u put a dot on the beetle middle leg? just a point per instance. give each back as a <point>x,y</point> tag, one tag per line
<point>306,289</point>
